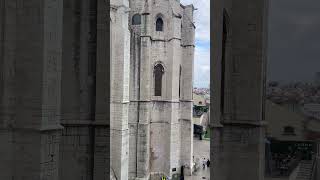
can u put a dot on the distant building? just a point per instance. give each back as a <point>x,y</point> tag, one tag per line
<point>283,124</point>
<point>312,114</point>
<point>290,136</point>
<point>200,105</point>
<point>200,111</point>
<point>317,78</point>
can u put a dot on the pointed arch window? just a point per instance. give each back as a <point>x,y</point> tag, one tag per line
<point>180,82</point>
<point>223,59</point>
<point>136,19</point>
<point>159,24</point>
<point>158,73</point>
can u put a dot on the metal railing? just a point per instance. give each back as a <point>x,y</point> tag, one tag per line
<point>293,165</point>
<point>276,172</point>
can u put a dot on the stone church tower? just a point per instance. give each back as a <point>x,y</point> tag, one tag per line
<point>239,61</point>
<point>152,57</point>
<point>161,76</point>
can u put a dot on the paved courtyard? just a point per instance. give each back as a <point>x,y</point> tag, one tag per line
<point>201,149</point>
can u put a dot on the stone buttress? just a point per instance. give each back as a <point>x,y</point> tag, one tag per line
<point>239,59</point>
<point>120,62</point>
<point>30,64</point>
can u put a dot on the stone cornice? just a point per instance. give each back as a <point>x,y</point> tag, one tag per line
<point>244,123</point>
<point>168,40</point>
<point>188,45</point>
<point>173,101</point>
<point>116,8</point>
<point>163,40</point>
<point>35,129</point>
<point>93,123</point>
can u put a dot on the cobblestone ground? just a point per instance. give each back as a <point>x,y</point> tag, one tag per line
<point>201,149</point>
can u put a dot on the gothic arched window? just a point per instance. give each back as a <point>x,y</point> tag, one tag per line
<point>158,72</point>
<point>159,24</point>
<point>136,19</point>
<point>180,82</point>
<point>223,58</point>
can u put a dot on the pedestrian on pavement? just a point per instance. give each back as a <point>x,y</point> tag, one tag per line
<point>204,163</point>
<point>181,177</point>
<point>182,173</point>
<point>208,163</point>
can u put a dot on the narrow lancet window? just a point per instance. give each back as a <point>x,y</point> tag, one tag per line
<point>159,24</point>
<point>180,82</point>
<point>223,59</point>
<point>158,73</point>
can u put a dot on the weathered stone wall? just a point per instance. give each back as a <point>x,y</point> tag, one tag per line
<point>78,89</point>
<point>186,105</point>
<point>241,148</point>
<point>30,88</point>
<point>135,64</point>
<point>186,136</point>
<point>102,95</point>
<point>48,64</point>
<point>76,153</point>
<point>119,107</point>
<point>165,137</point>
<point>241,138</point>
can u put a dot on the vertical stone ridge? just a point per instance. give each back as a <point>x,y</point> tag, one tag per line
<point>238,129</point>
<point>119,88</point>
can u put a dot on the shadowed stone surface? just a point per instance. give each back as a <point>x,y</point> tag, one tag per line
<point>239,62</point>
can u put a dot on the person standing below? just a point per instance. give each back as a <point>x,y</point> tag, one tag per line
<point>204,163</point>
<point>208,163</point>
<point>182,173</point>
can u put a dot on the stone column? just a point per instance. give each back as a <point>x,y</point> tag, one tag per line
<point>238,145</point>
<point>120,51</point>
<point>186,102</point>
<point>102,82</point>
<point>31,60</point>
<point>144,97</point>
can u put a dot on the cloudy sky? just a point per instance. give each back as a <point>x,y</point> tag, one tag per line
<point>293,47</point>
<point>294,40</point>
<point>202,51</point>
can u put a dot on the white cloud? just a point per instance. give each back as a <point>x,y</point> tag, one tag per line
<point>202,67</point>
